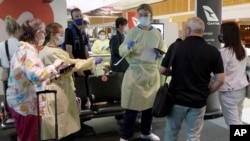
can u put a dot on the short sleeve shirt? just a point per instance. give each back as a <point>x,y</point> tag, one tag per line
<point>192,66</point>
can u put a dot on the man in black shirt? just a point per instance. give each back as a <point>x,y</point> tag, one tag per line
<point>192,66</point>
<point>75,45</point>
<point>115,42</point>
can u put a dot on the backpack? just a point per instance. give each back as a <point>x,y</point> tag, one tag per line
<point>75,38</point>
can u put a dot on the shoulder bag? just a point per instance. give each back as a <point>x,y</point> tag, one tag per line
<point>164,100</point>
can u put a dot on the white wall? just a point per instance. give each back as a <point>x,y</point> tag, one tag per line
<point>60,12</point>
<point>170,31</point>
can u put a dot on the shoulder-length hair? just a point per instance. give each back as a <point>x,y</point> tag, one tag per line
<point>232,39</point>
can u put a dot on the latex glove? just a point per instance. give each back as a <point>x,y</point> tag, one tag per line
<point>158,54</point>
<point>130,44</point>
<point>98,60</point>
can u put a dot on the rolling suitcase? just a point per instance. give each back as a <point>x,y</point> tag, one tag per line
<point>38,113</point>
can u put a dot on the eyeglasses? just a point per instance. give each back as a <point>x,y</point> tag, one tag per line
<point>43,32</point>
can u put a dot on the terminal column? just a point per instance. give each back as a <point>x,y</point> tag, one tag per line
<point>210,12</point>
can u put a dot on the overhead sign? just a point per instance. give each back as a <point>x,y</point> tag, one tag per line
<point>132,19</point>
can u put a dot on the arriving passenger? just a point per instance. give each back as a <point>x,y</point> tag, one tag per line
<point>115,42</point>
<point>14,31</point>
<point>232,92</point>
<point>142,78</point>
<point>191,86</point>
<point>27,75</point>
<point>68,117</point>
<point>101,46</point>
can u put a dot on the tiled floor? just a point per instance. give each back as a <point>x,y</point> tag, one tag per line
<point>107,129</point>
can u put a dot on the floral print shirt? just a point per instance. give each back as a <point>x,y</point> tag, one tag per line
<point>27,75</point>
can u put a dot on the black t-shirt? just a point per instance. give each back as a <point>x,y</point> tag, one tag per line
<point>192,66</point>
<point>114,44</point>
<point>78,46</point>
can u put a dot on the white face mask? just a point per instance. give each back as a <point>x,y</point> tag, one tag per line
<point>102,37</point>
<point>125,29</point>
<point>144,21</point>
<point>60,40</point>
<point>40,42</point>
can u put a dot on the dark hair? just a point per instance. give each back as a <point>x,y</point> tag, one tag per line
<point>29,29</point>
<point>51,29</point>
<point>101,31</point>
<point>74,10</point>
<point>11,25</point>
<point>145,7</point>
<point>120,21</point>
<point>232,39</point>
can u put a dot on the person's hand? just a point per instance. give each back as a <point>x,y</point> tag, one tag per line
<point>98,60</point>
<point>157,54</point>
<point>58,63</point>
<point>88,104</point>
<point>130,44</point>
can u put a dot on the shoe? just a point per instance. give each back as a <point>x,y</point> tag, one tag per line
<point>121,139</point>
<point>151,137</point>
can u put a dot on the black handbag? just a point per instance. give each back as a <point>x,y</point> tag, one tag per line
<point>164,100</point>
<point>163,103</point>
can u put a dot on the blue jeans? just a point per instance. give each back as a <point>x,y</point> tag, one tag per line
<point>130,119</point>
<point>194,122</point>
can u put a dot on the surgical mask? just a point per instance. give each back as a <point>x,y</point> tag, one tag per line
<point>144,21</point>
<point>78,21</point>
<point>40,42</point>
<point>125,29</point>
<point>60,39</point>
<point>220,38</point>
<point>102,37</point>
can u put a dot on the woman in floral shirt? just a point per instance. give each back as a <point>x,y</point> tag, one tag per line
<point>27,75</point>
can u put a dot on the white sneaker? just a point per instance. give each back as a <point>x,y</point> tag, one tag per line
<point>121,139</point>
<point>151,137</point>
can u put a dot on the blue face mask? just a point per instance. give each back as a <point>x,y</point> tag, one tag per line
<point>144,21</point>
<point>78,21</point>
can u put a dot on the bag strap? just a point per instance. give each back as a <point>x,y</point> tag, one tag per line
<point>7,50</point>
<point>177,42</point>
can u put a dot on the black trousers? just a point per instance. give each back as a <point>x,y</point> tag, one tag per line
<point>130,119</point>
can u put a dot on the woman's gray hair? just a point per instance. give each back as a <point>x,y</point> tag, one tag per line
<point>196,24</point>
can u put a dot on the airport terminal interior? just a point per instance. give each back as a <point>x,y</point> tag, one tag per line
<point>169,16</point>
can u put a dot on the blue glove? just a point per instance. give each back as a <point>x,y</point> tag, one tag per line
<point>158,54</point>
<point>98,60</point>
<point>130,44</point>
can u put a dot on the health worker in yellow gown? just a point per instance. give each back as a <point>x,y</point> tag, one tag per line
<point>67,111</point>
<point>142,79</point>
<point>100,47</point>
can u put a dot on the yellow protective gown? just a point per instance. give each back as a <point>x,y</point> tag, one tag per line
<point>101,47</point>
<point>142,78</point>
<point>68,115</point>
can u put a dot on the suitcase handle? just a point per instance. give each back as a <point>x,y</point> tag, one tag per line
<point>46,92</point>
<point>38,112</point>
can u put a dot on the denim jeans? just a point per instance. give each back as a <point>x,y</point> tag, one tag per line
<point>194,122</point>
<point>130,119</point>
<point>232,105</point>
